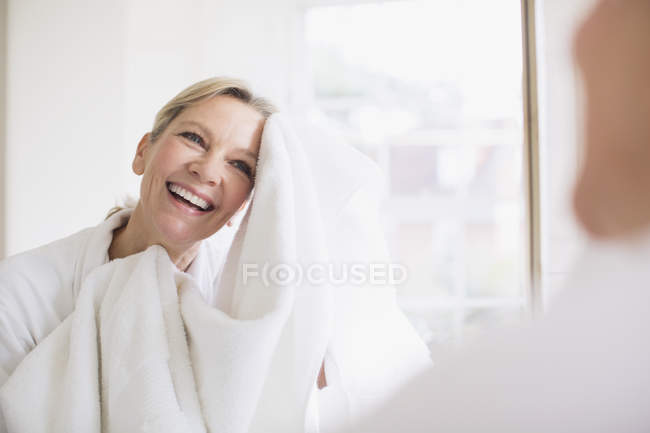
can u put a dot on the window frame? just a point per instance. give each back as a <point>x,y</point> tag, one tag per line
<point>531,154</point>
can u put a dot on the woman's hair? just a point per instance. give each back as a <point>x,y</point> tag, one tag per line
<point>207,89</point>
<point>195,93</point>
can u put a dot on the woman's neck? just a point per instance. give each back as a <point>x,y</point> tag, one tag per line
<point>134,238</point>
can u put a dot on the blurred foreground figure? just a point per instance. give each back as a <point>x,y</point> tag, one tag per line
<point>585,366</point>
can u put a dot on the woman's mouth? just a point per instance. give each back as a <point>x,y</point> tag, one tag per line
<point>187,199</point>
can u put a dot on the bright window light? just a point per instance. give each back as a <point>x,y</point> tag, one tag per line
<point>431,90</point>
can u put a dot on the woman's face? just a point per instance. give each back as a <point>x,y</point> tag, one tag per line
<point>199,171</point>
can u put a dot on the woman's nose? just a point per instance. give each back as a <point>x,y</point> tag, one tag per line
<point>208,170</point>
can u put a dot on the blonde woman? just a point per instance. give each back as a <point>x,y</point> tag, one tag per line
<point>199,166</point>
<point>203,145</point>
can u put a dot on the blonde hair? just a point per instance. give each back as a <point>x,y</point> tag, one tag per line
<point>191,95</point>
<point>208,89</point>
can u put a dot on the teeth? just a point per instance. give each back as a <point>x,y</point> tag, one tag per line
<point>188,196</point>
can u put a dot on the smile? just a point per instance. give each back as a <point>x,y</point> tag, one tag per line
<point>187,198</point>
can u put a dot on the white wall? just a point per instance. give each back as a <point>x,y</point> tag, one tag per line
<point>560,136</point>
<point>64,116</point>
<point>3,87</point>
<point>85,79</point>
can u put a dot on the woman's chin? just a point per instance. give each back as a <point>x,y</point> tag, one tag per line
<point>177,233</point>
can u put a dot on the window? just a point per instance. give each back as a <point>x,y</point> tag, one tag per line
<point>432,91</point>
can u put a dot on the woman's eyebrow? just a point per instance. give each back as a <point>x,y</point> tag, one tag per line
<point>252,154</point>
<point>203,129</point>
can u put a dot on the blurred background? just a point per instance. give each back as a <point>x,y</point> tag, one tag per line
<point>479,153</point>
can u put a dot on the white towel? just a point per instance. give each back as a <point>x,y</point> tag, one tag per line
<point>144,351</point>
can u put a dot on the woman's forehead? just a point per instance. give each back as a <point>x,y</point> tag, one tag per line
<point>223,107</point>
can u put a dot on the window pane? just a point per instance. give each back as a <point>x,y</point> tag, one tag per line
<point>431,90</point>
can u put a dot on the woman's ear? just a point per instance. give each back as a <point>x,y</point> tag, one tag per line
<point>139,164</point>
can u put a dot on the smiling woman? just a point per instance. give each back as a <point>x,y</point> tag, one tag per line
<point>197,167</point>
<point>145,305</point>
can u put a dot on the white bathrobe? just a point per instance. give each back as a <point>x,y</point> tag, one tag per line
<point>582,368</point>
<point>207,350</point>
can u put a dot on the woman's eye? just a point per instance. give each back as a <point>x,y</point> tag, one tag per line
<point>244,167</point>
<point>193,137</point>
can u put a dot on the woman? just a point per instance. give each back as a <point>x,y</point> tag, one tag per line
<point>198,167</point>
<point>201,151</point>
